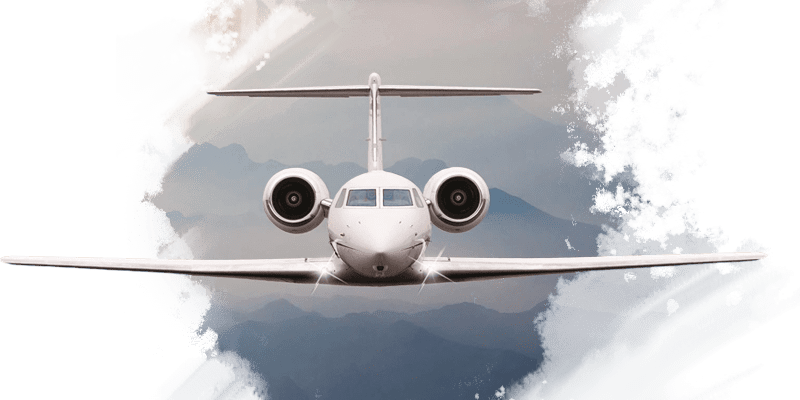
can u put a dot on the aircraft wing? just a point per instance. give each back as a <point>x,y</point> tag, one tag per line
<point>296,270</point>
<point>319,270</point>
<point>472,269</point>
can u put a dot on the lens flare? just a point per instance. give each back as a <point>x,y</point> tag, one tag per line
<point>327,271</point>
<point>431,269</point>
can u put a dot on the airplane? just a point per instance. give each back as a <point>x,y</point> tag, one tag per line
<point>379,223</point>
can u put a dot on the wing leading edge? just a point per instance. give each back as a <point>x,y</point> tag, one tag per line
<point>296,270</point>
<point>472,269</point>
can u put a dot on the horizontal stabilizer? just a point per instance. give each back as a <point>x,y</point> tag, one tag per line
<point>430,91</point>
<point>323,91</point>
<point>383,90</point>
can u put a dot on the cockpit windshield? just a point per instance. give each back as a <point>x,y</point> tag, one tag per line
<point>396,197</point>
<point>361,198</point>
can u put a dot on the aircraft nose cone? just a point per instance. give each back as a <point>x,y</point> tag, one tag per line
<point>383,238</point>
<point>379,248</point>
<point>382,243</point>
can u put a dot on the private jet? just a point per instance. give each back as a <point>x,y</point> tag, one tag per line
<point>379,223</point>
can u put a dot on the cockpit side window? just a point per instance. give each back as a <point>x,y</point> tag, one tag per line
<point>396,197</point>
<point>361,198</point>
<point>341,199</point>
<point>419,201</point>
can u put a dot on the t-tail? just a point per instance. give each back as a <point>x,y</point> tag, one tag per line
<point>375,90</point>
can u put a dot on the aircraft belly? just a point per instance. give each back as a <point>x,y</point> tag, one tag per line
<point>409,276</point>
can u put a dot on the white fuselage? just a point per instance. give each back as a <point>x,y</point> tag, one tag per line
<point>379,224</point>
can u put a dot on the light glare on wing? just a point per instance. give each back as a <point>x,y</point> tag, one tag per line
<point>327,271</point>
<point>431,268</point>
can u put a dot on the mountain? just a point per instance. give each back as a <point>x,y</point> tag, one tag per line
<point>452,352</point>
<point>478,326</point>
<point>547,329</point>
<point>278,311</point>
<point>212,197</point>
<point>338,305</point>
<point>514,228</point>
<point>359,356</point>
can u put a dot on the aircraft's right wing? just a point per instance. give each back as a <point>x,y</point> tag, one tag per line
<point>472,269</point>
<point>296,270</point>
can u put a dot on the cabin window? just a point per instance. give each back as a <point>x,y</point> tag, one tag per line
<point>361,198</point>
<point>419,201</point>
<point>396,197</point>
<point>341,199</point>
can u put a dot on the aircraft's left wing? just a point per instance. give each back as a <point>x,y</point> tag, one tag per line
<point>297,270</point>
<point>471,269</point>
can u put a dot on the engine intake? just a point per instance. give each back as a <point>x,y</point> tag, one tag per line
<point>292,200</point>
<point>459,199</point>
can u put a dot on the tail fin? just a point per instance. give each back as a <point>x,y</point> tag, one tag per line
<point>374,90</point>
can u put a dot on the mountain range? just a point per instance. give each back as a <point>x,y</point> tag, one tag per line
<point>216,193</point>
<point>452,352</point>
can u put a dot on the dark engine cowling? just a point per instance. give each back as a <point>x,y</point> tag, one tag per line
<point>292,200</point>
<point>459,199</point>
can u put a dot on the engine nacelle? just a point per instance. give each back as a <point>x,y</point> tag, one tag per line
<point>459,199</point>
<point>292,200</point>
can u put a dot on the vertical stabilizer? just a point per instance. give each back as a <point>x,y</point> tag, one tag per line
<point>375,150</point>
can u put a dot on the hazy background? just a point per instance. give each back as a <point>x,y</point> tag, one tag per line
<point>666,121</point>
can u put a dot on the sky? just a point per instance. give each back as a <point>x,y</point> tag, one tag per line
<point>549,149</point>
<point>446,43</point>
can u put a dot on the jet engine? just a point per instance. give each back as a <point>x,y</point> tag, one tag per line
<point>292,200</point>
<point>459,199</point>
